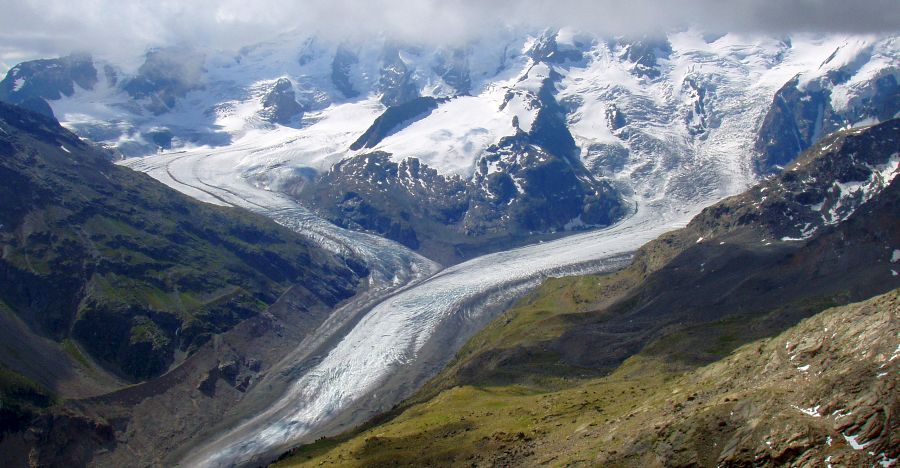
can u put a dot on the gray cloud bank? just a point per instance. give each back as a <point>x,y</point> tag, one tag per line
<point>34,28</point>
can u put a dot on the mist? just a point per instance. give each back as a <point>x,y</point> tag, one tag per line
<point>47,28</point>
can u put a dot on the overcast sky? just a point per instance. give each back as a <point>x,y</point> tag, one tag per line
<point>48,28</point>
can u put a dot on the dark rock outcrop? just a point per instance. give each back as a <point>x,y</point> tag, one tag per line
<point>801,113</point>
<point>372,193</point>
<point>395,84</point>
<point>520,186</point>
<point>280,104</point>
<point>31,84</point>
<point>165,76</point>
<point>645,55</point>
<point>518,190</point>
<point>546,49</point>
<point>341,66</point>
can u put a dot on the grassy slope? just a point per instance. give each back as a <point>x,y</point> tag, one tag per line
<point>20,399</point>
<point>648,412</point>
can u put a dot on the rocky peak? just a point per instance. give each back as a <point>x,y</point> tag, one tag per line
<point>280,103</point>
<point>545,49</point>
<point>29,84</point>
<point>520,185</point>
<point>645,54</point>
<point>166,75</point>
<point>538,114</point>
<point>395,84</point>
<point>452,66</point>
<point>344,60</point>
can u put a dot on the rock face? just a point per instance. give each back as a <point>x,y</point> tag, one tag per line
<point>546,49</point>
<point>30,84</point>
<point>341,66</point>
<point>397,200</point>
<point>806,108</point>
<point>520,186</point>
<point>645,55</point>
<point>129,269</point>
<point>830,181</point>
<point>518,189</point>
<point>166,75</point>
<point>280,104</point>
<point>395,85</point>
<point>824,392</point>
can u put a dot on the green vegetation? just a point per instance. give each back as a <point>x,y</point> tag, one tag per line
<point>557,305</point>
<point>644,412</point>
<point>20,400</point>
<point>127,267</point>
<point>71,348</point>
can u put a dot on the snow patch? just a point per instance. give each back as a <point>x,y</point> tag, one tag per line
<point>851,195</point>
<point>814,411</point>
<point>575,223</point>
<point>854,442</point>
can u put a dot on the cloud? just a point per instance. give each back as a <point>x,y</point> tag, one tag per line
<point>126,28</point>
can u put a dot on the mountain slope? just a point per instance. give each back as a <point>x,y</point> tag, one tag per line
<point>734,275</point>
<point>134,273</point>
<point>743,259</point>
<point>818,102</point>
<point>822,392</point>
<point>134,317</point>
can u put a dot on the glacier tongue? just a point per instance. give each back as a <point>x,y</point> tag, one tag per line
<point>411,333</point>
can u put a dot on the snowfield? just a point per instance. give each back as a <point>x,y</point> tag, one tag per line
<point>708,92</point>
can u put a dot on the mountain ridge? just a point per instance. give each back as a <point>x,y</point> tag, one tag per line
<point>603,105</point>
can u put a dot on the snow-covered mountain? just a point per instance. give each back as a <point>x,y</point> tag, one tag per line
<point>454,150</point>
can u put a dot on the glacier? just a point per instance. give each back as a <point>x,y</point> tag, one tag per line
<point>686,141</point>
<point>408,336</point>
